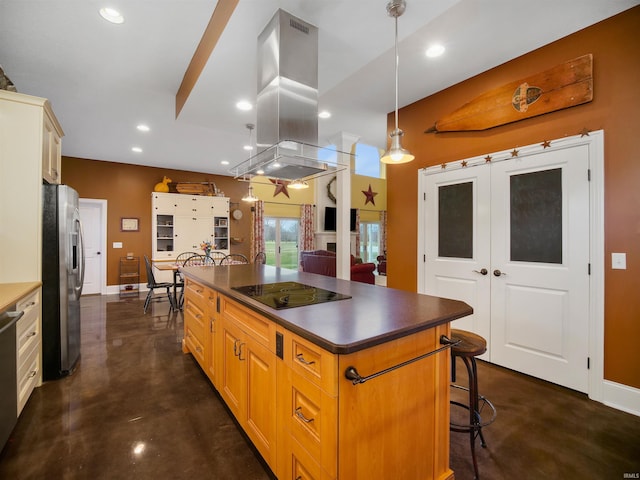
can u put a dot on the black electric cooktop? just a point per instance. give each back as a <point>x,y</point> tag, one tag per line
<point>289,294</point>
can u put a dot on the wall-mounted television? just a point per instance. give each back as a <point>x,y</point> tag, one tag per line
<point>330,216</point>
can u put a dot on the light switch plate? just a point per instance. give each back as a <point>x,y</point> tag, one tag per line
<point>117,244</point>
<point>619,261</point>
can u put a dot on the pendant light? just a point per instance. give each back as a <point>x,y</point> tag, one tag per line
<point>396,154</point>
<point>250,197</point>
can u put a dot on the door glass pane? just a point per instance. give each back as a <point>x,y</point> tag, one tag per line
<point>455,220</point>
<point>536,216</point>
<point>289,243</point>
<point>369,241</point>
<point>270,240</point>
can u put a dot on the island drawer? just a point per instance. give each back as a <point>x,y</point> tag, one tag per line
<point>196,292</point>
<point>195,345</point>
<point>195,319</point>
<point>311,362</point>
<point>310,417</point>
<point>260,328</point>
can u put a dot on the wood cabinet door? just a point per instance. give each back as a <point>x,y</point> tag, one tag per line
<point>232,379</point>
<point>260,367</point>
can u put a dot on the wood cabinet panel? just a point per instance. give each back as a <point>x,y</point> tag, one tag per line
<point>374,423</point>
<point>261,328</point>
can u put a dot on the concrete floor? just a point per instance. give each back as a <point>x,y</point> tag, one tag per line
<point>138,408</point>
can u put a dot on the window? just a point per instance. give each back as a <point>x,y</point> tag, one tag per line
<point>369,241</point>
<point>367,160</point>
<point>281,242</point>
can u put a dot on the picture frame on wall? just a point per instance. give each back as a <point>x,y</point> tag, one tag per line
<point>129,224</point>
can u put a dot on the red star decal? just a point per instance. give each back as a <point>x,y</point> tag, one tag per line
<point>281,187</point>
<point>369,194</point>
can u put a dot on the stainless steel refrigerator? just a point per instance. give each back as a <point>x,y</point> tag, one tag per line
<point>62,278</point>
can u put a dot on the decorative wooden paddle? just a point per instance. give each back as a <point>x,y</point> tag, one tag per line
<point>563,86</point>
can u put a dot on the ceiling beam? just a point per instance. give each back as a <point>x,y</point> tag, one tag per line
<point>219,19</point>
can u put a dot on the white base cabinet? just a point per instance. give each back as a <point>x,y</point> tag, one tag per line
<point>28,347</point>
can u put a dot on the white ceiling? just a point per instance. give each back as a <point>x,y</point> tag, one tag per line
<point>104,79</point>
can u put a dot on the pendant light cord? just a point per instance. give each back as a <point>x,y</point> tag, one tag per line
<point>396,18</point>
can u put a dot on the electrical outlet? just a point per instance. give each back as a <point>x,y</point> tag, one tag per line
<point>619,261</point>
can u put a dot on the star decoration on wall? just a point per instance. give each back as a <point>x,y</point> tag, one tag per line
<point>443,166</point>
<point>514,153</point>
<point>584,132</point>
<point>369,194</point>
<point>546,144</point>
<point>281,187</point>
<point>464,163</point>
<point>487,159</point>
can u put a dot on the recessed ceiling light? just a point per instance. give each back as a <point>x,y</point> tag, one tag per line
<point>224,162</point>
<point>136,149</point>
<point>435,51</point>
<point>143,128</point>
<point>248,148</point>
<point>244,105</point>
<point>111,15</point>
<point>324,114</point>
<point>260,172</point>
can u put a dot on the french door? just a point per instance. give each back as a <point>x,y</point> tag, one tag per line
<point>511,238</point>
<point>281,241</point>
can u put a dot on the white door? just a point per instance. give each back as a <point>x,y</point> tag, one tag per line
<point>511,238</point>
<point>458,253</point>
<point>540,266</point>
<point>92,216</point>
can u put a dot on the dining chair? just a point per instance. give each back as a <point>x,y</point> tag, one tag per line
<point>260,257</point>
<point>217,256</point>
<point>233,259</point>
<point>152,285</point>
<point>179,279</point>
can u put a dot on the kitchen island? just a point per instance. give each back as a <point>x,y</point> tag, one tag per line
<point>355,387</point>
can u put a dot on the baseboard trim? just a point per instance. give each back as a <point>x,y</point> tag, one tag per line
<point>621,397</point>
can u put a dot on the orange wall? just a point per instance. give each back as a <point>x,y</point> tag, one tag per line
<point>615,45</point>
<point>127,189</point>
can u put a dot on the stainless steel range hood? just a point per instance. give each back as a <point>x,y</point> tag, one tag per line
<point>287,104</point>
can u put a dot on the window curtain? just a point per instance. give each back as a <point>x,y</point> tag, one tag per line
<point>257,229</point>
<point>306,229</point>
<point>383,232</point>
<point>357,252</point>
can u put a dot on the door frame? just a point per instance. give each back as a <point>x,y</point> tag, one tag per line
<point>595,142</point>
<point>103,239</point>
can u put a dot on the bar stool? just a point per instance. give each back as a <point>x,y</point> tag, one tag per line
<point>470,346</point>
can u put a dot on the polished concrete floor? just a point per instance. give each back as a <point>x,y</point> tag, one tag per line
<point>138,408</point>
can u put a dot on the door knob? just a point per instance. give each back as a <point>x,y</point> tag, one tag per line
<point>498,273</point>
<point>484,271</point>
<point>97,253</point>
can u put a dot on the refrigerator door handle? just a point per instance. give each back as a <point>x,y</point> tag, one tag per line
<point>78,287</point>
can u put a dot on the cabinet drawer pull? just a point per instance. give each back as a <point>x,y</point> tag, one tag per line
<point>198,316</point>
<point>303,361</point>
<point>198,349</point>
<point>235,348</point>
<point>240,351</point>
<point>301,416</point>
<point>32,373</point>
<point>30,304</point>
<point>31,334</point>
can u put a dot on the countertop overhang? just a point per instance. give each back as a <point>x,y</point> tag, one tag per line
<point>374,315</point>
<point>10,293</point>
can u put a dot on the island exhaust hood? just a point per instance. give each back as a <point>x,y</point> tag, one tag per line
<point>287,104</point>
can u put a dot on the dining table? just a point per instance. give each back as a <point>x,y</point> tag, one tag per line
<point>167,266</point>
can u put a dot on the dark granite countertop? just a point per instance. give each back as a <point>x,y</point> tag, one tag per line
<point>373,315</point>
